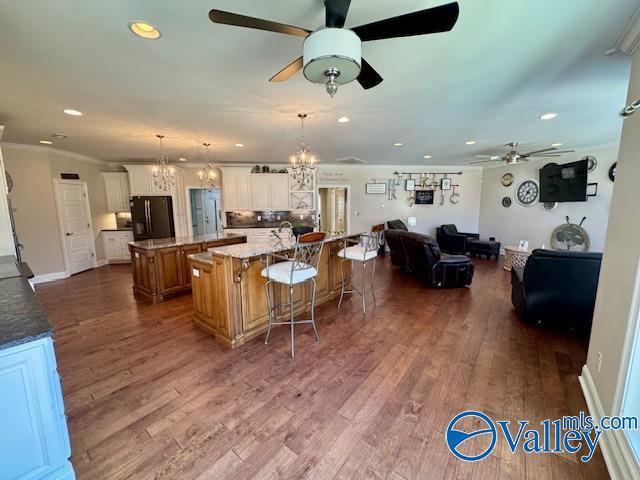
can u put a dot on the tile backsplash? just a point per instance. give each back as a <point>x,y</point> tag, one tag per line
<point>259,219</point>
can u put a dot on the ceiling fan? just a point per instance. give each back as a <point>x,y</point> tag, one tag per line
<point>513,156</point>
<point>332,55</point>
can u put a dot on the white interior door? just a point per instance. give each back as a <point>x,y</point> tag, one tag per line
<point>75,222</point>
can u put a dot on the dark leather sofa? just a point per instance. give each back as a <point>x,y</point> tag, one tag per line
<point>558,287</point>
<point>420,255</point>
<point>453,241</point>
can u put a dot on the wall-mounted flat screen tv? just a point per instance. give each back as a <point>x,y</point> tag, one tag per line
<point>564,183</point>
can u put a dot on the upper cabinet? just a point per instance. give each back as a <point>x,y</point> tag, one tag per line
<point>236,189</point>
<point>141,181</point>
<point>116,185</point>
<point>269,191</point>
<point>303,191</point>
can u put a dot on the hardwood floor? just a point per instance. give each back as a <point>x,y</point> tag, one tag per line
<point>149,396</point>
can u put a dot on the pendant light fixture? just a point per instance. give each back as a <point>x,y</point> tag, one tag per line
<point>303,159</point>
<point>207,174</point>
<point>163,173</point>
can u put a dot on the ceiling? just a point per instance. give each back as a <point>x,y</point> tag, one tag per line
<point>504,64</point>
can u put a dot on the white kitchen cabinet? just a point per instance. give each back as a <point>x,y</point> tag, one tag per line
<point>141,181</point>
<point>269,191</point>
<point>35,440</point>
<point>236,189</point>
<point>116,246</point>
<point>116,186</point>
<point>279,191</point>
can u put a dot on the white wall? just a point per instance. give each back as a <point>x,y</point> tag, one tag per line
<point>374,209</point>
<point>614,314</point>
<point>534,223</point>
<point>33,169</point>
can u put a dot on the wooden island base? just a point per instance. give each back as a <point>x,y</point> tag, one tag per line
<point>229,296</point>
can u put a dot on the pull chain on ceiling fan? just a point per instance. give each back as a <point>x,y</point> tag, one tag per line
<point>332,55</point>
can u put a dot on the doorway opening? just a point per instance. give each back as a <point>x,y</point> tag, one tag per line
<point>333,208</point>
<point>205,211</point>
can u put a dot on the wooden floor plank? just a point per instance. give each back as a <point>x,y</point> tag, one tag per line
<point>150,396</point>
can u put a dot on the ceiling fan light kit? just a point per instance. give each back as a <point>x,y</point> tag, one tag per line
<point>332,57</point>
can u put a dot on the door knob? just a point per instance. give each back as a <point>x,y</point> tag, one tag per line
<point>68,234</point>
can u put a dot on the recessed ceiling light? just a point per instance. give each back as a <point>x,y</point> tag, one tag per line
<point>182,159</point>
<point>556,144</point>
<point>343,119</point>
<point>144,30</point>
<point>60,136</point>
<point>495,157</point>
<point>71,111</point>
<point>470,142</point>
<point>397,144</point>
<point>548,116</point>
<point>427,156</point>
<point>46,142</point>
<point>239,145</point>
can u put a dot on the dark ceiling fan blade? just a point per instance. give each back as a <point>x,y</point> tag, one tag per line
<point>336,12</point>
<point>227,18</point>
<point>287,72</point>
<point>431,20</point>
<point>368,77</point>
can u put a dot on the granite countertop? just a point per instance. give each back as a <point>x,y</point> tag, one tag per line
<point>22,319</point>
<point>256,246</point>
<point>188,240</point>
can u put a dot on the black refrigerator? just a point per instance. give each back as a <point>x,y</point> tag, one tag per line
<point>152,217</point>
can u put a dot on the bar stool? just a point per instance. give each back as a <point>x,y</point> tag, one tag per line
<point>292,271</point>
<point>363,250</point>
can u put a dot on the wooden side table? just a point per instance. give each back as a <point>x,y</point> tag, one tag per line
<point>514,257</point>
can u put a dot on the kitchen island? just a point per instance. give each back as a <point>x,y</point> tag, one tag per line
<point>160,266</point>
<point>228,291</point>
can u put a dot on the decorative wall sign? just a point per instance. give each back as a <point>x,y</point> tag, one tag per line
<point>506,202</point>
<point>70,176</point>
<point>592,189</point>
<point>612,172</point>
<point>507,179</point>
<point>527,192</point>
<point>409,185</point>
<point>424,197</point>
<point>375,188</point>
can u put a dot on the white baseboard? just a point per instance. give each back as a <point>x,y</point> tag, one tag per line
<point>617,453</point>
<point>48,277</point>
<point>101,263</point>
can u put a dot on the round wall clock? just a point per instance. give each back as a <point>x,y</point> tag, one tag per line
<point>592,163</point>
<point>527,192</point>
<point>612,172</point>
<point>506,202</point>
<point>507,179</point>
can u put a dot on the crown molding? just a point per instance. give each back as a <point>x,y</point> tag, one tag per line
<point>37,148</point>
<point>630,37</point>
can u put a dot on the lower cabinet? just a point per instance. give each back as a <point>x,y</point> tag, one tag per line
<point>116,246</point>
<point>34,442</point>
<point>173,268</point>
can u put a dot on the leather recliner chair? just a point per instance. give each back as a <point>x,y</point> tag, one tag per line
<point>420,255</point>
<point>557,286</point>
<point>453,241</point>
